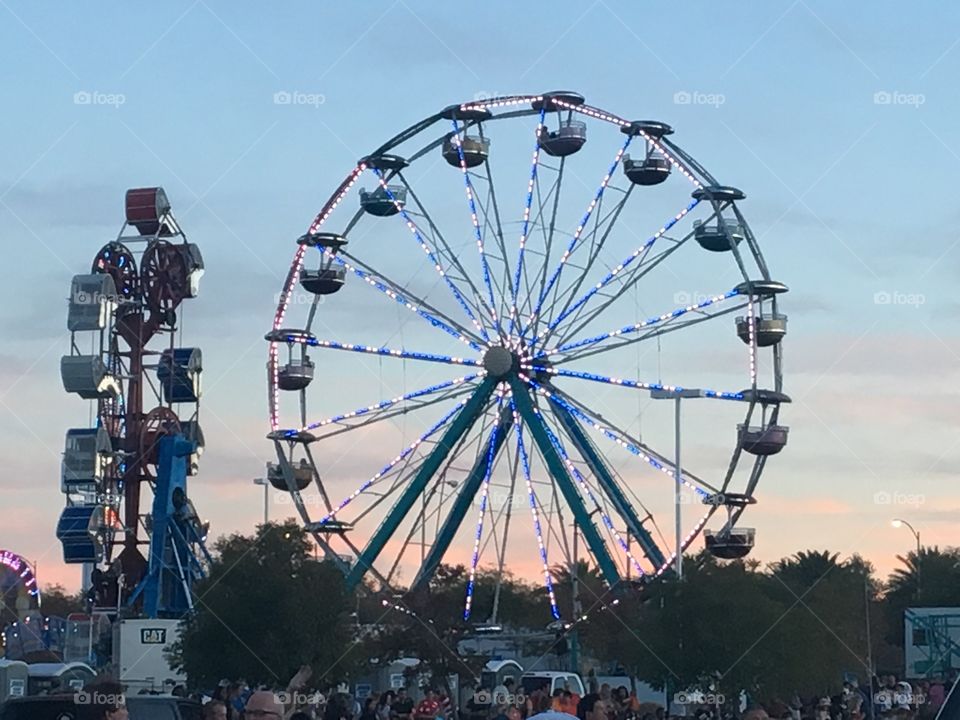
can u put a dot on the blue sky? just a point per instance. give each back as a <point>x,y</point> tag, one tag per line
<point>837,123</point>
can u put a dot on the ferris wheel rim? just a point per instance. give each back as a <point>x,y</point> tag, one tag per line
<point>476,113</point>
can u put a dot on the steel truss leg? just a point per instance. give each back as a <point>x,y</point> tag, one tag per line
<point>462,504</point>
<point>460,426</point>
<point>589,453</point>
<point>563,480</point>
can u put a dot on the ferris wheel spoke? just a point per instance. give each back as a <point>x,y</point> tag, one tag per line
<point>643,325</point>
<point>446,252</point>
<point>669,562</point>
<point>596,246</point>
<point>621,438</point>
<point>430,253</point>
<point>628,383</point>
<point>403,296</point>
<point>405,453</point>
<point>478,234</point>
<point>525,228</point>
<point>670,326</point>
<point>466,417</point>
<point>584,222</point>
<point>641,253</point>
<point>383,351</point>
<point>534,512</point>
<point>377,407</point>
<point>489,459</point>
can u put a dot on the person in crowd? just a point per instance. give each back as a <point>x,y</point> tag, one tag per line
<point>591,707</point>
<point>403,706</point>
<point>369,711</point>
<point>384,705</point>
<point>339,707</point>
<point>429,707</point>
<point>263,705</point>
<point>215,710</point>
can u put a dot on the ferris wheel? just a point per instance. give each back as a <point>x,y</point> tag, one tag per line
<point>124,318</point>
<point>516,284</point>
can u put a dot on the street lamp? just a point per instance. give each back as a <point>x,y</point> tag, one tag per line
<point>897,522</point>
<point>266,496</point>
<point>677,394</point>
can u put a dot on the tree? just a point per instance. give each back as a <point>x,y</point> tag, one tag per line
<point>57,602</point>
<point>266,608</point>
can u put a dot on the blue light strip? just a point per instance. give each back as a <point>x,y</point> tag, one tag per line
<point>389,466</point>
<point>604,430</point>
<point>624,264</point>
<point>391,352</point>
<point>468,188</point>
<point>359,412</point>
<point>430,254</point>
<point>484,494</point>
<point>375,283</point>
<point>649,322</point>
<point>531,496</point>
<point>716,394</point>
<point>607,521</point>
<point>577,235</point>
<point>535,164</point>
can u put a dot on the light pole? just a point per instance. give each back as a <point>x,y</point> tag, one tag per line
<point>897,522</point>
<point>677,394</point>
<point>266,497</point>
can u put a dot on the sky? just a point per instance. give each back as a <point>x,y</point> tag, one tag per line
<point>838,124</point>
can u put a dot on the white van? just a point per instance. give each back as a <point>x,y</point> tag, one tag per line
<point>553,680</point>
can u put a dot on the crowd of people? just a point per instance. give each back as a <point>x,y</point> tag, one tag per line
<point>885,698</point>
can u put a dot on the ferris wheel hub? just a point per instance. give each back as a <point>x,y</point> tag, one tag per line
<point>498,361</point>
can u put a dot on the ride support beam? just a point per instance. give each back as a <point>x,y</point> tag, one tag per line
<point>464,500</point>
<point>521,397</point>
<point>589,453</point>
<point>434,461</point>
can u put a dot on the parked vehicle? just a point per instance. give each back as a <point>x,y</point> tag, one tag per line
<point>65,707</point>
